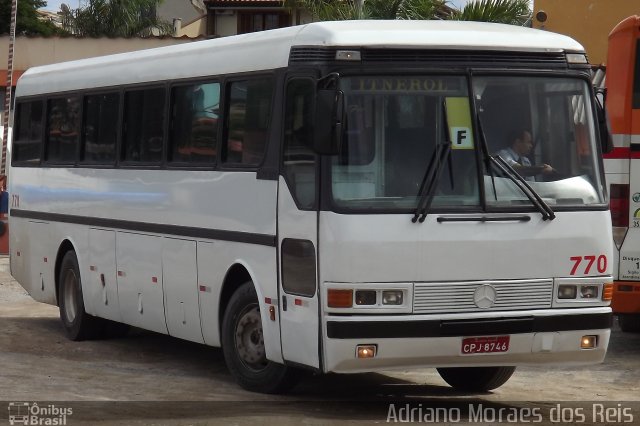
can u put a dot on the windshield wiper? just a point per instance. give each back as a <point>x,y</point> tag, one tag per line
<point>506,169</point>
<point>430,181</point>
<point>532,195</point>
<point>434,170</point>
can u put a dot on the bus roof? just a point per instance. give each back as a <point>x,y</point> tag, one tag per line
<point>270,50</point>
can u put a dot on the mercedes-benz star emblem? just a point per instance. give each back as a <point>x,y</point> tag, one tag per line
<point>485,296</point>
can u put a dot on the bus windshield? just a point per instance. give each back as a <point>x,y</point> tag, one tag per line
<point>542,126</point>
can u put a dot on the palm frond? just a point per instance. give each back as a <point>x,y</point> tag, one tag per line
<point>515,12</point>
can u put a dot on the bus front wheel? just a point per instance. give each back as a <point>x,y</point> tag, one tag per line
<point>476,379</point>
<point>78,325</point>
<point>244,349</point>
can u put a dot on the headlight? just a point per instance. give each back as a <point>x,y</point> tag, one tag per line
<point>567,291</point>
<point>392,297</point>
<point>588,291</point>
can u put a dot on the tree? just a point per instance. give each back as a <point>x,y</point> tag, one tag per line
<point>515,12</point>
<point>28,22</point>
<point>505,11</point>
<point>115,18</point>
<point>338,10</point>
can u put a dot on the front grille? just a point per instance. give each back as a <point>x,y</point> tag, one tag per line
<point>455,297</point>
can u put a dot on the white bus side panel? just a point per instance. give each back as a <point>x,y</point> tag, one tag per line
<point>180,281</point>
<point>140,281</point>
<point>42,261</point>
<point>101,289</point>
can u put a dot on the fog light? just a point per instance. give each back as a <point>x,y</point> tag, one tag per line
<point>392,297</point>
<point>567,291</point>
<point>366,351</point>
<point>589,291</point>
<point>338,298</point>
<point>589,342</point>
<point>365,297</point>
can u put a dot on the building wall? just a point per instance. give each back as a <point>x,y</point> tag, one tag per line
<point>587,21</point>
<point>227,25</point>
<point>196,28</point>
<point>33,51</point>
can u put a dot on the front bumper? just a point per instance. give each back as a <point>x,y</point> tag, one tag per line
<point>536,337</point>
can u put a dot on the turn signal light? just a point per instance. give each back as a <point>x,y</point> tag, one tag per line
<point>607,291</point>
<point>589,342</point>
<point>366,351</point>
<point>339,298</point>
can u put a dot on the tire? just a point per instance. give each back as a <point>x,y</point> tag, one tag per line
<point>78,325</point>
<point>477,379</point>
<point>629,323</point>
<point>243,346</point>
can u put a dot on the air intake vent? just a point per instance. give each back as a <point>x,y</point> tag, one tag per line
<point>436,57</point>
<point>311,54</point>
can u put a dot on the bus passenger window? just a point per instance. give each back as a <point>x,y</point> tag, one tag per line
<point>248,116</point>
<point>63,125</point>
<point>299,159</point>
<point>143,126</point>
<point>100,129</point>
<point>194,123</point>
<point>28,132</point>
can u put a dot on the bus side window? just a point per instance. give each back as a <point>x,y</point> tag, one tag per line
<point>194,123</point>
<point>28,132</point>
<point>63,129</point>
<point>143,127</point>
<point>99,133</point>
<point>248,116</point>
<point>299,162</point>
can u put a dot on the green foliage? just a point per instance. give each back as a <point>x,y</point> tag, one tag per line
<point>115,18</point>
<point>28,21</point>
<point>338,10</point>
<point>515,12</point>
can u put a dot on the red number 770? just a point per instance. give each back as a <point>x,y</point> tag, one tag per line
<point>601,265</point>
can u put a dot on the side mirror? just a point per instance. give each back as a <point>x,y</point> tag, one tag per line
<point>329,121</point>
<point>606,142</point>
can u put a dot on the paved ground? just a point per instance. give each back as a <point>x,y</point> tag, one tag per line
<point>146,378</point>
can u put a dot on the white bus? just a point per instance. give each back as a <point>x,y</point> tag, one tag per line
<point>324,197</point>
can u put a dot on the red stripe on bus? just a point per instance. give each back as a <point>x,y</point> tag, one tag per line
<point>621,154</point>
<point>618,153</point>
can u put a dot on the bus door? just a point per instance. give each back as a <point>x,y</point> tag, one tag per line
<point>297,228</point>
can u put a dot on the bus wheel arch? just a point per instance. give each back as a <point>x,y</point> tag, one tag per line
<point>236,275</point>
<point>65,247</point>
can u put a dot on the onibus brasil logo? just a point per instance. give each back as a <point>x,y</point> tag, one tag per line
<point>30,413</point>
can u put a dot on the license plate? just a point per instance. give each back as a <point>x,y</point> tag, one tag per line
<point>485,345</point>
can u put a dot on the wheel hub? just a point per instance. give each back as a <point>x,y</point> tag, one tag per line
<point>250,340</point>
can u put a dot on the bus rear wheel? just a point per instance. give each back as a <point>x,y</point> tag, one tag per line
<point>244,349</point>
<point>78,325</point>
<point>629,323</point>
<point>476,379</point>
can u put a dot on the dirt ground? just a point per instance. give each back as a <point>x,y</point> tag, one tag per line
<point>147,378</point>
